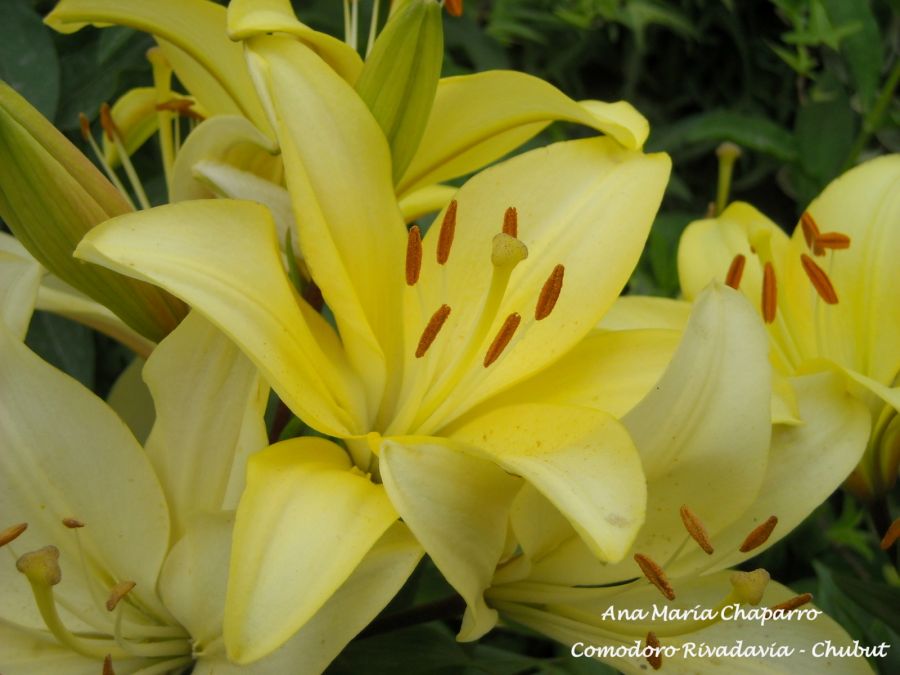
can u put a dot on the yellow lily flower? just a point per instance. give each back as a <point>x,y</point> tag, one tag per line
<point>429,331</point>
<point>827,294</point>
<point>719,491</point>
<point>473,120</point>
<point>124,549</point>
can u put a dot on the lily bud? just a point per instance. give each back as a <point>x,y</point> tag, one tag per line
<point>400,77</point>
<point>51,196</point>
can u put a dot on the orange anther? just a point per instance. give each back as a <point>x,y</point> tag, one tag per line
<point>819,280</point>
<point>504,335</point>
<point>413,255</point>
<point>435,323</point>
<point>695,528</point>
<point>445,236</point>
<point>759,535</point>
<point>549,293</point>
<point>511,222</point>
<point>769,293</point>
<point>655,575</point>
<point>735,271</point>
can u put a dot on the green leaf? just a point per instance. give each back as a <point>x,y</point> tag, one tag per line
<point>28,60</point>
<point>879,600</point>
<point>753,132</point>
<point>420,650</point>
<point>65,344</point>
<point>862,49</point>
<point>825,132</point>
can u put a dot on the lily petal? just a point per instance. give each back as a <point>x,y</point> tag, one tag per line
<point>426,200</point>
<point>19,281</point>
<point>130,398</point>
<point>201,384</point>
<point>631,312</point>
<point>338,171</point>
<point>304,523</point>
<point>463,530</point>
<point>581,460</point>
<point>240,285</point>
<point>824,450</point>
<point>476,119</point>
<point>192,36</point>
<point>62,447</point>
<point>247,18</point>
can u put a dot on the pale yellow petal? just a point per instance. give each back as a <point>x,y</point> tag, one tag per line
<point>201,384</point>
<point>631,312</point>
<point>304,523</point>
<point>457,506</point>
<point>581,460</point>
<point>130,398</point>
<point>477,119</point>
<point>338,173</point>
<point>223,258</point>
<point>426,200</point>
<point>20,279</point>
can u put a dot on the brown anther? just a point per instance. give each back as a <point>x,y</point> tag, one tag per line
<point>891,536</point>
<point>445,236</point>
<point>549,293</point>
<point>106,121</point>
<point>695,528</point>
<point>435,323</point>
<point>413,255</point>
<point>759,535</point>
<point>511,222</point>
<point>85,126</point>
<point>735,271</point>
<point>655,575</point>
<point>769,293</point>
<point>810,229</point>
<point>12,533</point>
<point>833,240</point>
<point>181,106</point>
<point>313,295</point>
<point>504,335</point>
<point>655,657</point>
<point>107,666</point>
<point>454,7</point>
<point>119,591</point>
<point>72,523</point>
<point>819,280</point>
<point>792,603</point>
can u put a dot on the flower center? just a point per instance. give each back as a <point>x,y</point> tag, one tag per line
<point>120,638</point>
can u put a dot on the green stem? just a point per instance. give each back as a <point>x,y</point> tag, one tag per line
<point>873,120</point>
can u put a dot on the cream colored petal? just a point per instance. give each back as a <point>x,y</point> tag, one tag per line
<point>581,460</point>
<point>67,455</point>
<point>703,437</point>
<point>457,506</point>
<point>223,258</point>
<point>426,200</point>
<point>247,18</point>
<point>224,139</point>
<point>586,205</point>
<point>631,312</point>
<point>477,119</point>
<point>806,464</point>
<point>862,331</point>
<point>338,172</point>
<point>201,385</point>
<point>192,35</point>
<point>130,398</point>
<point>19,282</point>
<point>305,522</point>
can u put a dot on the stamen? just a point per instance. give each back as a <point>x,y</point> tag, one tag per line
<point>413,255</point>
<point>749,587</point>
<point>891,536</point>
<point>101,159</point>
<point>819,280</point>
<point>769,293</point>
<point>833,240</point>
<point>435,323</point>
<point>12,533</point>
<point>810,229</point>
<point>182,106</point>
<point>72,523</point>
<point>445,237</point>
<point>792,603</point>
<point>735,271</point>
<point>549,293</point>
<point>454,7</point>
<point>119,591</point>
<point>511,222</point>
<point>695,528</point>
<point>107,666</point>
<point>759,535</point>
<point>85,126</point>
<point>106,121</point>
<point>655,575</point>
<point>654,658</point>
<point>112,133</point>
<point>504,335</point>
